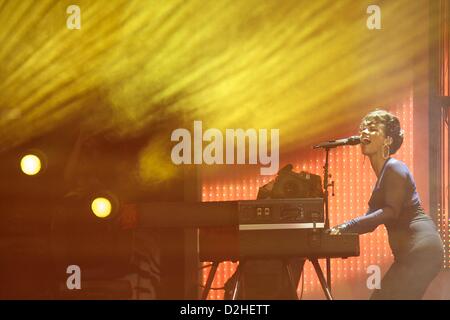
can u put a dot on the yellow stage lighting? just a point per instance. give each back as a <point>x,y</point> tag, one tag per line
<point>30,164</point>
<point>101,207</point>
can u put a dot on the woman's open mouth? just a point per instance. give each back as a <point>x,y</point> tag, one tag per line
<point>365,140</point>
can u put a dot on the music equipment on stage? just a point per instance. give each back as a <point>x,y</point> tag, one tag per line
<point>289,184</point>
<point>226,225</point>
<point>264,279</point>
<point>243,230</point>
<point>279,244</point>
<point>228,213</point>
<point>327,146</point>
<point>280,211</point>
<point>350,141</point>
<point>286,200</point>
<point>287,246</point>
<point>252,217</point>
<point>308,242</point>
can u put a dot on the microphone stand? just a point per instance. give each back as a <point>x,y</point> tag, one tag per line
<point>327,146</point>
<point>326,203</point>
<point>354,140</point>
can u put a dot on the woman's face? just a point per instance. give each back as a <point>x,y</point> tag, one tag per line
<point>372,137</point>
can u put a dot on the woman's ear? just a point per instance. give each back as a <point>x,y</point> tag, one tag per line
<point>389,140</point>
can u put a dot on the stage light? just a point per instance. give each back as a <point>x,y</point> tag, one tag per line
<point>101,207</point>
<point>30,164</point>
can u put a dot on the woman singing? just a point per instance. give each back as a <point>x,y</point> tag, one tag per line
<point>413,238</point>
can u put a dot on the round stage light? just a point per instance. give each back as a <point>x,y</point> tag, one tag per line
<point>30,164</point>
<point>101,207</point>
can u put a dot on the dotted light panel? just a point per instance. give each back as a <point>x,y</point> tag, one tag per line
<point>447,190</point>
<point>444,88</point>
<point>354,181</point>
<point>443,216</point>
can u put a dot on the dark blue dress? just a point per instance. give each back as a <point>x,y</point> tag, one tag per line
<point>413,237</point>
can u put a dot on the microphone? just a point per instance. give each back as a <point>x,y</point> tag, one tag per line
<point>351,141</point>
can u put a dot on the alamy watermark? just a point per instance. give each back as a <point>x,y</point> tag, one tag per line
<point>374,280</point>
<point>374,20</point>
<point>189,149</point>
<point>74,280</point>
<point>73,21</point>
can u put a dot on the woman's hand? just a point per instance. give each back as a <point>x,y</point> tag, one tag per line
<point>339,229</point>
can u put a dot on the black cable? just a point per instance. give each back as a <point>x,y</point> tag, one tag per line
<point>220,288</point>
<point>207,266</point>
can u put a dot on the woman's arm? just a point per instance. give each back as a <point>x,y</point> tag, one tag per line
<point>394,187</point>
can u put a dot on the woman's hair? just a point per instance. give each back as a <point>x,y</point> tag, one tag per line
<point>391,127</point>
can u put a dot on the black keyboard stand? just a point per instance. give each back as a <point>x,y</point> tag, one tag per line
<point>323,282</point>
<point>287,268</point>
<point>210,279</point>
